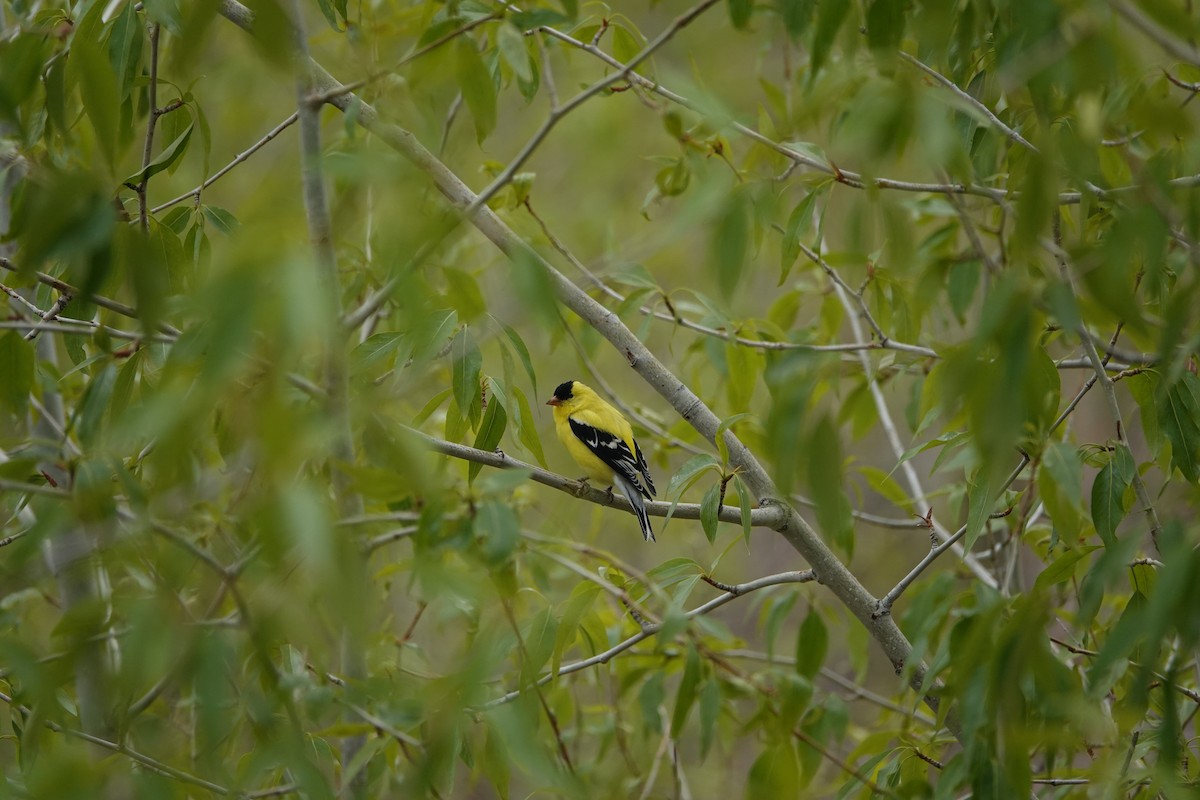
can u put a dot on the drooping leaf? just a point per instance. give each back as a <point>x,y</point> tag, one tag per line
<point>812,642</point>
<point>797,15</point>
<point>685,698</point>
<point>1108,494</point>
<point>1179,416</point>
<point>478,89</point>
<point>830,16</point>
<point>491,429</point>
<point>16,365</point>
<point>709,507</point>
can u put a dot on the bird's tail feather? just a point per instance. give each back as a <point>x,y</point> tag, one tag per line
<point>633,494</point>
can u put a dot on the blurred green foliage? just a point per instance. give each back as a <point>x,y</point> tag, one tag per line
<point>892,245</point>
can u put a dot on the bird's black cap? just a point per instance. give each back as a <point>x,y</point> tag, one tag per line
<point>563,392</point>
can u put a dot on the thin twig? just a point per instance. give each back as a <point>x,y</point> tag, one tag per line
<point>845,683</point>
<point>320,98</point>
<point>146,761</point>
<point>1176,47</point>
<point>238,159</point>
<point>51,313</point>
<point>893,434</point>
<point>886,602</point>
<point>103,302</point>
<point>1109,389</point>
<point>651,630</point>
<point>967,98</point>
<point>884,339</point>
<point>151,123</point>
<point>563,752</point>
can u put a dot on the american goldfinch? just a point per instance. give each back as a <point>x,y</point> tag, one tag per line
<point>601,441</point>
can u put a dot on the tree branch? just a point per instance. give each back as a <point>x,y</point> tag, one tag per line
<point>830,571</point>
<point>769,516</point>
<point>1178,48</point>
<point>103,302</point>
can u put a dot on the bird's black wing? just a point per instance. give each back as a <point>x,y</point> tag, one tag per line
<point>642,468</point>
<point>614,452</point>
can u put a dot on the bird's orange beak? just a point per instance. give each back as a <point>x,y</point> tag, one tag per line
<point>554,401</point>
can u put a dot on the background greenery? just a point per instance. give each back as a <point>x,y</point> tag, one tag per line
<point>282,510</point>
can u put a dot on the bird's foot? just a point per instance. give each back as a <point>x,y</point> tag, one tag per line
<point>583,486</point>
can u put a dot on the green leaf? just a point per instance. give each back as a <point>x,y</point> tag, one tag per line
<point>685,476</point>
<point>1108,494</point>
<point>979,508</point>
<point>812,643</point>
<point>123,387</point>
<point>739,13</point>
<point>572,611</point>
<point>887,486</point>
<point>220,218</point>
<point>331,14</point>
<point>497,525</point>
<point>16,365</point>
<point>537,17</point>
<point>1059,480</point>
<point>125,49</point>
<point>528,434</point>
<point>377,347</point>
<point>465,369</point>
<point>708,512</point>
<point>522,352</point>
<point>490,430</point>
<point>830,15</point>
<point>1179,415</point>
<point>775,773</point>
<point>93,407</point>
<point>730,242</point>
<point>627,42</point>
<point>170,154</point>
<point>167,13</point>
<point>797,227</point>
<point>540,637</point>
<point>1144,388</point>
<point>747,504</point>
<point>98,88</point>
<point>885,24</point>
<point>1062,568</point>
<point>431,333</point>
<point>478,89</point>
<point>825,480</point>
<point>512,47</point>
<point>464,293</point>
<point>719,436</point>
<point>710,710</point>
<point>434,403</point>
<point>673,179</point>
<point>796,15</point>
<point>685,698</point>
<point>744,365</point>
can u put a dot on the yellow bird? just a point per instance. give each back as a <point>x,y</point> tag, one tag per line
<point>601,441</point>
